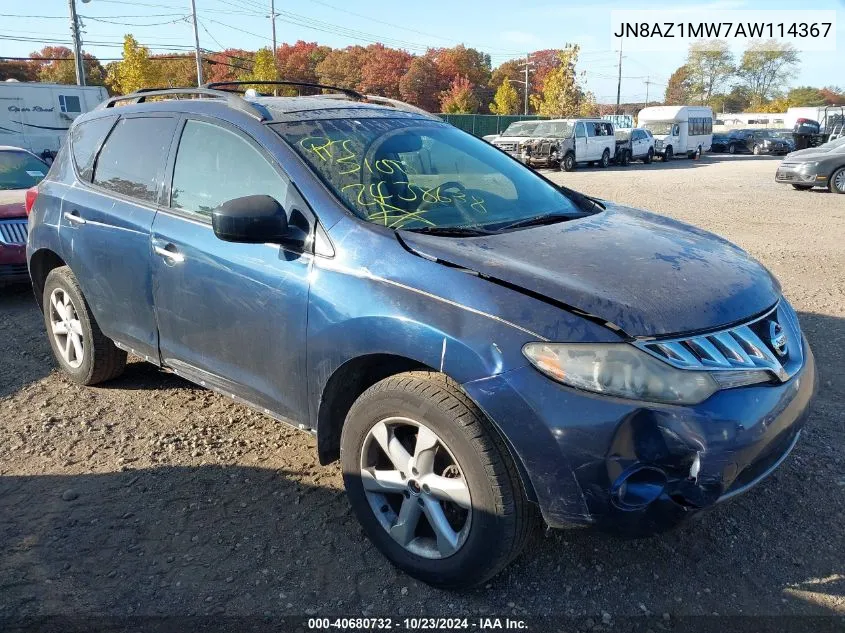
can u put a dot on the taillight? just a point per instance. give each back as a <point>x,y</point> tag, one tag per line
<point>31,195</point>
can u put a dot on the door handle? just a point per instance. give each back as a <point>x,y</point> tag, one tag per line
<point>173,256</point>
<point>74,217</point>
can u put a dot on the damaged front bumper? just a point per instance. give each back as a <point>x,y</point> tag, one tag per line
<point>640,468</point>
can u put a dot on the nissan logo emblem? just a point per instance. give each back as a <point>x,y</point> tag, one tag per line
<point>777,338</point>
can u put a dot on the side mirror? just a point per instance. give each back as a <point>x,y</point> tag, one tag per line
<point>251,220</point>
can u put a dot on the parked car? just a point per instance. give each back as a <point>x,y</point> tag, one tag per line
<point>516,133</point>
<point>563,143</point>
<point>678,130</point>
<point>786,136</point>
<point>474,343</point>
<point>19,171</point>
<point>816,167</point>
<point>633,144</point>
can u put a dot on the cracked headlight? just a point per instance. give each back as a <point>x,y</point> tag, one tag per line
<point>622,370</point>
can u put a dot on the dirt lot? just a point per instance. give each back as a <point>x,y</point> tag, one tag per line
<point>152,496</point>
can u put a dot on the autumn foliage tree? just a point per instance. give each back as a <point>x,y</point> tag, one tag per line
<point>459,98</point>
<point>561,95</point>
<point>134,71</point>
<point>230,64</point>
<point>383,69</point>
<point>422,84</point>
<point>679,88</point>
<point>460,61</point>
<point>506,100</point>
<point>342,67</point>
<point>55,64</point>
<point>298,62</point>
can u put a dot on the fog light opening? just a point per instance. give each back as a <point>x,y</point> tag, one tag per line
<point>639,487</point>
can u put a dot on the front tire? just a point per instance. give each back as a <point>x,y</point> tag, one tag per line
<point>84,353</point>
<point>649,157</point>
<point>569,162</point>
<point>625,159</point>
<point>837,181</point>
<point>756,150</point>
<point>431,482</point>
<point>802,187</point>
<point>605,159</point>
<point>668,154</point>
<point>732,148</point>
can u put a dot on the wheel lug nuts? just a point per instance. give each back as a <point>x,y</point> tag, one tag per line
<point>415,472</point>
<point>426,489</point>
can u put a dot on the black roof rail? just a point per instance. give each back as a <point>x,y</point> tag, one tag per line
<point>233,100</point>
<point>352,94</point>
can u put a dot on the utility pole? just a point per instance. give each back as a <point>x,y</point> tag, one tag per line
<point>648,82</point>
<point>619,80</point>
<point>525,83</point>
<point>196,42</point>
<point>273,24</point>
<point>77,44</point>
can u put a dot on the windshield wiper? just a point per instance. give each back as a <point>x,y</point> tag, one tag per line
<point>549,218</point>
<point>457,231</point>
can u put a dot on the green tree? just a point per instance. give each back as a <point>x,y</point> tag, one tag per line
<point>709,65</point>
<point>342,67</point>
<point>459,98</point>
<point>134,71</point>
<point>679,88</point>
<point>263,69</point>
<point>805,96</point>
<point>766,66</point>
<point>561,95</point>
<point>506,100</point>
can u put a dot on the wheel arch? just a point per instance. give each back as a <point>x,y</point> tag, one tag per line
<point>41,262</point>
<point>354,377</point>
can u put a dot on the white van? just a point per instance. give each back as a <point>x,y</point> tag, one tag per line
<point>37,116</point>
<point>678,129</point>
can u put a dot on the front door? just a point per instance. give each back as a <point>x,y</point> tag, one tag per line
<point>231,316</point>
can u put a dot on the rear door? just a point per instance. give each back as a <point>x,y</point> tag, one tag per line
<point>232,316</point>
<point>105,227</point>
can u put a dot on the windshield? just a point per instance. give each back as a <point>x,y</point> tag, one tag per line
<point>418,174</point>
<point>553,129</point>
<point>20,170</point>
<point>521,128</point>
<point>659,127</point>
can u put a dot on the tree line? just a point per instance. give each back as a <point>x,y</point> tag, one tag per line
<point>453,80</point>
<point>756,82</point>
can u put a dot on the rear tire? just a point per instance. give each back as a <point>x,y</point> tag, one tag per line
<point>605,159</point>
<point>732,148</point>
<point>85,354</point>
<point>497,520</point>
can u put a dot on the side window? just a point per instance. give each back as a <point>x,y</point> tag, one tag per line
<point>85,140</point>
<point>70,104</point>
<point>580,132</point>
<point>132,160</point>
<point>215,165</point>
<point>608,129</point>
<point>591,129</point>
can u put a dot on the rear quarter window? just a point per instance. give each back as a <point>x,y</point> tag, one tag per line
<point>132,160</point>
<point>85,140</point>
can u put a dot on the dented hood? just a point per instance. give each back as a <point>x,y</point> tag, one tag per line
<point>644,273</point>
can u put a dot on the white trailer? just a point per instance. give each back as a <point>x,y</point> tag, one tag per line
<point>36,116</point>
<point>678,129</point>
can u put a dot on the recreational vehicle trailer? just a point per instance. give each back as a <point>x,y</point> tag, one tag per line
<point>36,116</point>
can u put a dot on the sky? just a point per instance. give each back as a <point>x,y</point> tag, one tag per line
<point>503,29</point>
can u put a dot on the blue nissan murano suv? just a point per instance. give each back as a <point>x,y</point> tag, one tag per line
<point>480,347</point>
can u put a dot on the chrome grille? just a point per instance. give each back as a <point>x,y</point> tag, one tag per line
<point>507,146</point>
<point>744,347</point>
<point>13,231</point>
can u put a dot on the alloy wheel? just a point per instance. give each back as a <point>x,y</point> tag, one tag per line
<point>839,180</point>
<point>66,328</point>
<point>416,488</point>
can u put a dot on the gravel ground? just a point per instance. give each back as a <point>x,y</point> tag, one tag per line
<point>150,496</point>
